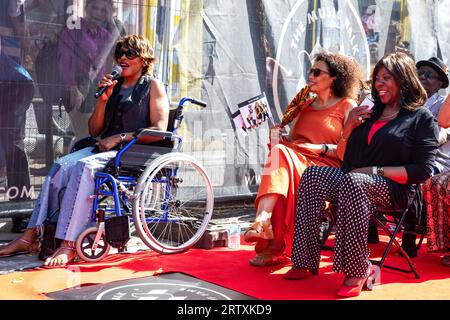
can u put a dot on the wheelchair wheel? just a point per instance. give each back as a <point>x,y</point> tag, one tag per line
<point>173,203</point>
<point>85,243</point>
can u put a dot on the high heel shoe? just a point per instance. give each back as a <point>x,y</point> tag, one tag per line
<point>260,230</point>
<point>299,273</point>
<point>352,287</point>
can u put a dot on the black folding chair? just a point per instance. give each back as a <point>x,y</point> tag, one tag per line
<point>382,217</point>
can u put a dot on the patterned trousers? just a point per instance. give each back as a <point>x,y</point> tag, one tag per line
<point>356,196</point>
<point>436,192</point>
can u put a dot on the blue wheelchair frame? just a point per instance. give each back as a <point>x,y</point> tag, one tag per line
<point>120,184</point>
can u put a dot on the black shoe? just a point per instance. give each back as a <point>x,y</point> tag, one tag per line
<point>409,243</point>
<point>372,236</point>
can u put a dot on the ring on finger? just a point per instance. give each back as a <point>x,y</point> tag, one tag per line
<point>360,119</point>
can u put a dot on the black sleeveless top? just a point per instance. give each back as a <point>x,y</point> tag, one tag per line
<point>129,114</point>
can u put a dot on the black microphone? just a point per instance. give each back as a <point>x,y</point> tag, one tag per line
<point>116,72</point>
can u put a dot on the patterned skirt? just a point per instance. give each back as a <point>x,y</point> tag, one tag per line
<point>436,192</point>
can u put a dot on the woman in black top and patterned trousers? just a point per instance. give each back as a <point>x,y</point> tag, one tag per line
<point>386,153</point>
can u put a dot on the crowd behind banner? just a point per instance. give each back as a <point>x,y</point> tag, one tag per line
<point>54,52</point>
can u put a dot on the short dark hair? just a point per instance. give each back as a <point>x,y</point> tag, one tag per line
<point>402,67</point>
<point>347,71</point>
<point>142,45</point>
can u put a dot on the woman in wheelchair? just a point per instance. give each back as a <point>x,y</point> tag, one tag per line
<point>135,100</point>
<point>385,156</point>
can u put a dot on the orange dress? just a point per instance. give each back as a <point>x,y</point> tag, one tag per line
<point>287,161</point>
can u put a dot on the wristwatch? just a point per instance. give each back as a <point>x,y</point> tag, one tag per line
<point>122,137</point>
<point>380,171</point>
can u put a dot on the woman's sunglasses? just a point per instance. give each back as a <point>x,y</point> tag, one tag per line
<point>130,53</point>
<point>316,72</point>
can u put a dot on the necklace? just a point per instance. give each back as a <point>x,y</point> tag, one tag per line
<point>389,116</point>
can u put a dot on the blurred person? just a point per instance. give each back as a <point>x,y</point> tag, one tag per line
<point>16,93</point>
<point>334,79</point>
<point>83,57</point>
<point>385,157</point>
<point>146,105</point>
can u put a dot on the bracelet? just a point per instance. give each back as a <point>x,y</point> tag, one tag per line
<point>324,151</point>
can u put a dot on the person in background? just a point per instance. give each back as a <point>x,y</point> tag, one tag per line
<point>83,58</point>
<point>335,80</point>
<point>136,100</point>
<point>16,93</point>
<point>386,157</point>
<point>433,75</point>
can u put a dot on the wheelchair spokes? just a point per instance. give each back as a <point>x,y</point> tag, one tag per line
<point>173,212</point>
<point>91,244</point>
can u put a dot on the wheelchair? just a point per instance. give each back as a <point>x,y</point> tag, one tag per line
<point>165,194</point>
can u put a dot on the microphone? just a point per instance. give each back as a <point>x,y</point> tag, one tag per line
<point>116,72</point>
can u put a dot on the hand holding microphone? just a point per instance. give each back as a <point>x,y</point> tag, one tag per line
<point>108,82</point>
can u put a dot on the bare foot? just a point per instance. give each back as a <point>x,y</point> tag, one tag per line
<point>64,255</point>
<point>27,243</point>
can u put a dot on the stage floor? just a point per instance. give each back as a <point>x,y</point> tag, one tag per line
<point>228,269</point>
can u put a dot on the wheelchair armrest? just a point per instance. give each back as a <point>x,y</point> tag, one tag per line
<point>153,133</point>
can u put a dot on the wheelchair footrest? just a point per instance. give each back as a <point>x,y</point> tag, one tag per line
<point>117,231</point>
<point>214,236</point>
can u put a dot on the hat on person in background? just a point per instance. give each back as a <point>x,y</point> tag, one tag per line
<point>439,66</point>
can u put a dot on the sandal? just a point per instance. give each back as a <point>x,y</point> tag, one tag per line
<point>65,257</point>
<point>31,247</point>
<point>260,230</point>
<point>269,257</point>
<point>265,260</point>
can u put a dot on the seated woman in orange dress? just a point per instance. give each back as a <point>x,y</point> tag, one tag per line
<point>317,125</point>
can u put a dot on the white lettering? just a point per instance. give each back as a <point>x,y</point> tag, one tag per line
<point>312,17</point>
<point>8,193</point>
<point>73,20</point>
<point>205,311</point>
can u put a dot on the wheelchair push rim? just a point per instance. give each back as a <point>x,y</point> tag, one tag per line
<point>173,203</point>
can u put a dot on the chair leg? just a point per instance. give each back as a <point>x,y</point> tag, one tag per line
<point>422,236</point>
<point>393,240</point>
<point>409,243</point>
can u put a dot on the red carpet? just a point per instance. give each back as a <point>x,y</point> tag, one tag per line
<point>230,268</point>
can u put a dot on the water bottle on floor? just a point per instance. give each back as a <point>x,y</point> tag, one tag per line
<point>234,233</point>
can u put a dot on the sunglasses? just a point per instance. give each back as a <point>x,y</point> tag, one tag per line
<point>130,54</point>
<point>316,72</point>
<point>427,74</point>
